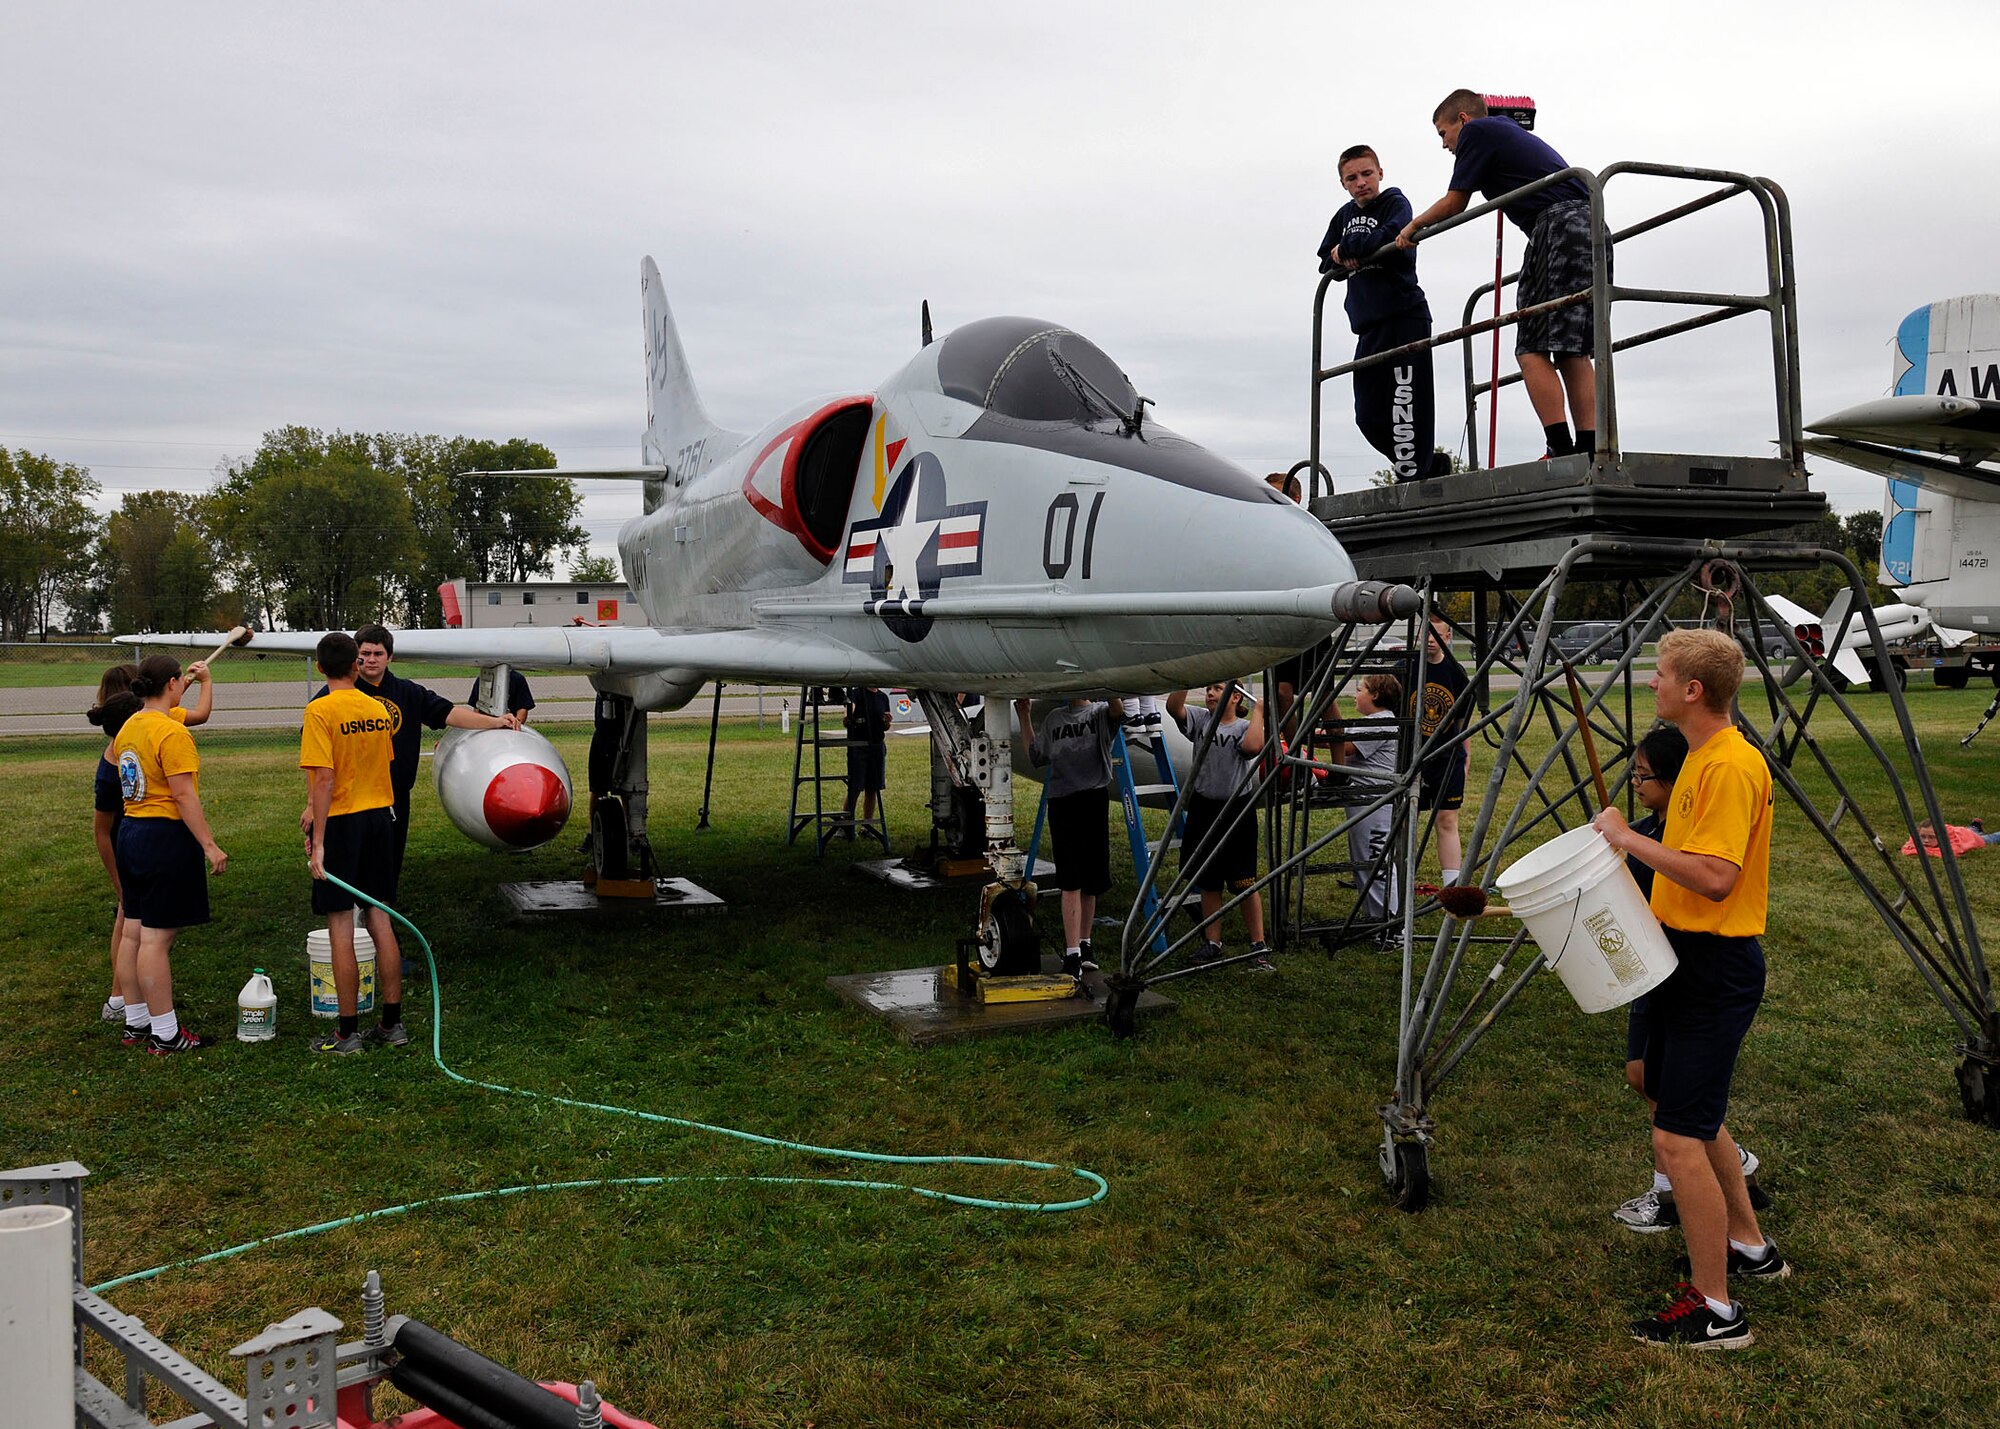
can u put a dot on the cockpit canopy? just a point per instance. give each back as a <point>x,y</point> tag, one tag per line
<point>1034,371</point>
<point>1038,384</point>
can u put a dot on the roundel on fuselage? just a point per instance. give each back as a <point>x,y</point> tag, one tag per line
<point>816,461</point>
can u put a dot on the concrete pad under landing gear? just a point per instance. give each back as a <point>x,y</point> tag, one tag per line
<point>898,873</point>
<point>923,1011</point>
<point>570,897</point>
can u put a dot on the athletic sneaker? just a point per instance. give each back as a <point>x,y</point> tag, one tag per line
<point>1072,964</point>
<point>181,1041</point>
<point>1260,958</point>
<point>110,1013</point>
<point>384,1036</point>
<point>1689,1322</point>
<point>1089,961</point>
<point>1205,954</point>
<point>1772,1267</point>
<point>339,1046</point>
<point>1654,1211</point>
<point>137,1036</point>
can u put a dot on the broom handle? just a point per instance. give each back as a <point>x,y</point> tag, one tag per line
<point>1589,742</point>
<point>236,637</point>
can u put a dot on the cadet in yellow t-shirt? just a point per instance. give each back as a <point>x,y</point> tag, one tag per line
<point>344,747</point>
<point>1711,894</point>
<point>161,844</point>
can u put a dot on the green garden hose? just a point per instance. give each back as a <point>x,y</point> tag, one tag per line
<point>985,1203</point>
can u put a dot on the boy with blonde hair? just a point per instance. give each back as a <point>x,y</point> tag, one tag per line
<point>1711,894</point>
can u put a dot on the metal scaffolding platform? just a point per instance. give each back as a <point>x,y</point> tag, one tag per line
<point>1670,529</point>
<point>1512,523</point>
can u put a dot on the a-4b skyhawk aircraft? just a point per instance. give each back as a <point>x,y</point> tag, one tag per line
<point>1002,516</point>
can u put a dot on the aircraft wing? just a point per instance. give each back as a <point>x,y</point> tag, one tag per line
<point>1963,427</point>
<point>1345,601</point>
<point>774,656</point>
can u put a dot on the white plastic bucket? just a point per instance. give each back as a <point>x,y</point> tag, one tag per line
<point>1593,925</point>
<point>319,959</point>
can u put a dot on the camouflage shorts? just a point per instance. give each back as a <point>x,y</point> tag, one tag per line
<point>1557,264</point>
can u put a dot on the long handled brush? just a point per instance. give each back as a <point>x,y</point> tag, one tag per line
<point>237,636</point>
<point>1463,901</point>
<point>1583,728</point>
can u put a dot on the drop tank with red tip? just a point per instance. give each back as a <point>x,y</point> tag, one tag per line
<point>505,788</point>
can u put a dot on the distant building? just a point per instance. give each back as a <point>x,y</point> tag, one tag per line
<point>482,605</point>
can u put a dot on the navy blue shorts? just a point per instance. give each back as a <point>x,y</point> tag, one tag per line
<point>360,849</point>
<point>1638,1026</point>
<point>1697,1021</point>
<point>1079,832</point>
<point>1441,785</point>
<point>867,767</point>
<point>162,874</point>
<point>1234,866</point>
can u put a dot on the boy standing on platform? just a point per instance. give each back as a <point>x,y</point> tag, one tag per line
<point>1711,896</point>
<point>1495,155</point>
<point>1394,403</point>
<point>344,748</point>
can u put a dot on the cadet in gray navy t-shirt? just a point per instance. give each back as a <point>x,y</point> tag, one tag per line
<point>1220,839</point>
<point>1074,743</point>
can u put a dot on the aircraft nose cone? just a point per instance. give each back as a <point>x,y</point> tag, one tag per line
<point>526,805</point>
<point>1296,550</point>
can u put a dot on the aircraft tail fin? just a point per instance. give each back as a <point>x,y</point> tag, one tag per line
<point>677,426</point>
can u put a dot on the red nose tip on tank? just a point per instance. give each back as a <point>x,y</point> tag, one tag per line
<point>526,805</point>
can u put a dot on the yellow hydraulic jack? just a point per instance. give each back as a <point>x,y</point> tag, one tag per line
<point>1002,961</point>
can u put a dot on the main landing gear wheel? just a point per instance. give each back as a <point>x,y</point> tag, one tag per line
<point>608,830</point>
<point>1011,945</point>
<point>1406,1168</point>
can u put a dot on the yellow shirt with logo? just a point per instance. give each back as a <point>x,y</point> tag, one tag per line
<point>348,732</point>
<point>152,748</point>
<point>1721,807</point>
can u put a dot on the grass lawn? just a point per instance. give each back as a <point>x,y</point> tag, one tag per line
<point>1245,1268</point>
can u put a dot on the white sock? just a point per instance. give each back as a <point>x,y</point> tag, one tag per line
<point>1660,1182</point>
<point>166,1025</point>
<point>1755,1252</point>
<point>1447,876</point>
<point>115,1002</point>
<point>136,1014</point>
<point>1725,1308</point>
<point>1074,950</point>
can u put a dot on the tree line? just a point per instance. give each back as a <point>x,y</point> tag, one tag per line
<point>315,531</point>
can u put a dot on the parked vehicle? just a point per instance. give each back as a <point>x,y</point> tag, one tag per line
<point>1596,640</point>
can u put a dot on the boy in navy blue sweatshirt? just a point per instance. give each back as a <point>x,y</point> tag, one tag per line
<point>1394,404</point>
<point>1494,155</point>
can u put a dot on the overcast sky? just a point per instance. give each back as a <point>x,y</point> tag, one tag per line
<point>429,217</point>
